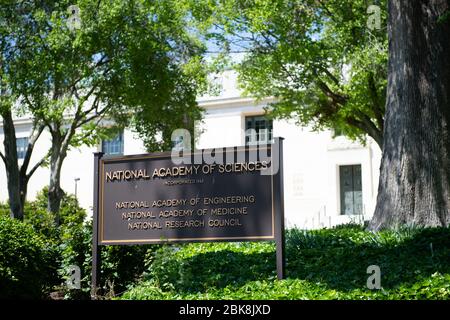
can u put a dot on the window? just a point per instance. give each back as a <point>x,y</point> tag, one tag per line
<point>337,132</point>
<point>113,146</point>
<point>258,129</point>
<point>351,189</point>
<point>22,144</point>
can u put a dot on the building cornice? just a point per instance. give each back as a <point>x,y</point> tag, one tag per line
<point>233,102</point>
<point>213,103</point>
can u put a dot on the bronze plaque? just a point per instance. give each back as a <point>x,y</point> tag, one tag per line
<point>149,199</point>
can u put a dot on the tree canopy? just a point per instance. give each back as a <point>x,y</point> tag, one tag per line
<point>319,59</point>
<point>124,60</point>
<point>135,63</point>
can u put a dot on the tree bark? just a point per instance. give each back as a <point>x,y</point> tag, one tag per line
<point>414,185</point>
<point>18,176</point>
<point>55,192</point>
<point>12,166</point>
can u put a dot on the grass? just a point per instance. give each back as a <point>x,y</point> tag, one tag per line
<point>321,264</point>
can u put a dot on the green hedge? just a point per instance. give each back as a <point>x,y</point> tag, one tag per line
<point>321,264</point>
<point>28,265</point>
<point>121,266</point>
<point>69,243</point>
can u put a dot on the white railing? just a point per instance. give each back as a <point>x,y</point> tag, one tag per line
<point>323,220</point>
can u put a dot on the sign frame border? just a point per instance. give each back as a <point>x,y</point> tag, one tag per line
<point>138,157</point>
<point>277,193</point>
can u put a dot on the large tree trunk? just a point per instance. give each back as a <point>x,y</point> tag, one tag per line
<point>55,192</point>
<point>414,186</point>
<point>18,176</point>
<point>12,167</point>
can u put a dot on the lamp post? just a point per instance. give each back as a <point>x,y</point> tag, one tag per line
<point>76,181</point>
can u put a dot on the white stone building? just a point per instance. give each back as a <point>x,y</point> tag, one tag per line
<point>327,181</point>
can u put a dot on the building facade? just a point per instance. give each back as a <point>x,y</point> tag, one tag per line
<point>328,180</point>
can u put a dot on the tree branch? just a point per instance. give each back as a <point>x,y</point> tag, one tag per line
<point>34,136</point>
<point>336,97</point>
<point>330,75</point>
<point>94,106</point>
<point>99,63</point>
<point>367,126</point>
<point>32,107</point>
<point>326,9</point>
<point>35,167</point>
<point>97,114</point>
<point>97,122</point>
<point>3,157</point>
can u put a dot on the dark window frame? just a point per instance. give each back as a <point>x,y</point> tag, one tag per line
<point>114,146</point>
<point>354,189</point>
<point>258,123</point>
<point>21,147</point>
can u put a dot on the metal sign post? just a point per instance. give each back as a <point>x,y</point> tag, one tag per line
<point>279,212</point>
<point>96,257</point>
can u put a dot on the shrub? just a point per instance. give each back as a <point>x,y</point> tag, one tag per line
<point>71,215</point>
<point>192,267</point>
<point>28,263</point>
<point>75,249</point>
<point>321,264</point>
<point>121,266</point>
<point>43,222</point>
<point>71,242</point>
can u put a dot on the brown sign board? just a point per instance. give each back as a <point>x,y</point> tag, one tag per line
<point>149,199</point>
